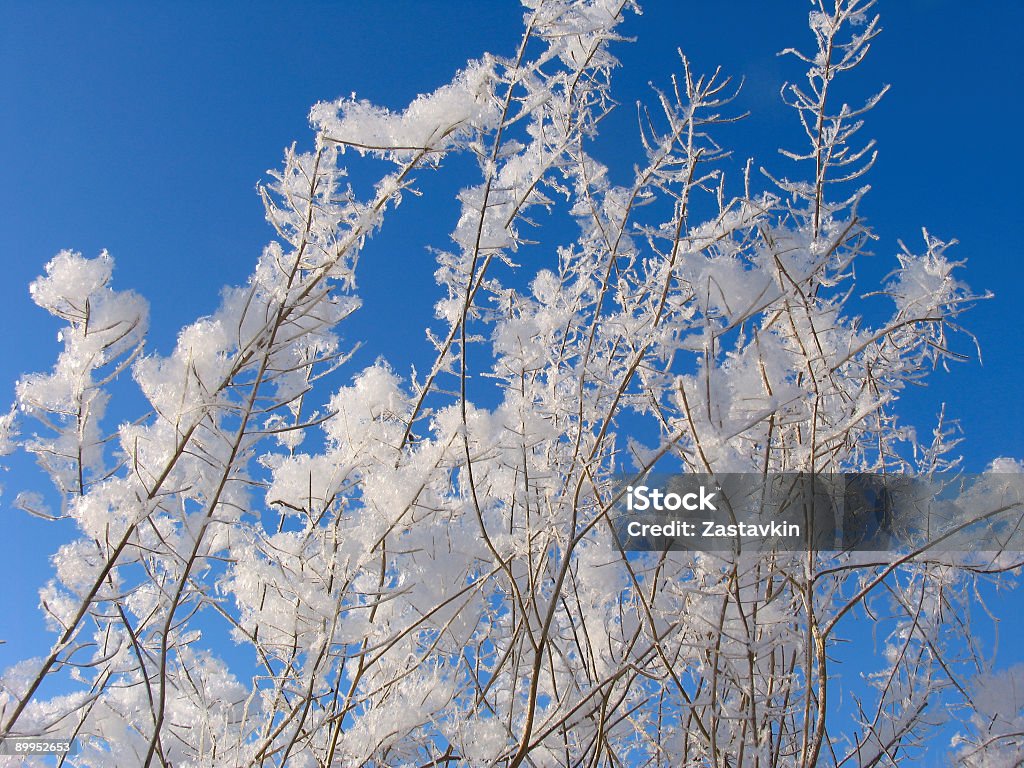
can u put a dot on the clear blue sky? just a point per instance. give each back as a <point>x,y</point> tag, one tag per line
<point>143,128</point>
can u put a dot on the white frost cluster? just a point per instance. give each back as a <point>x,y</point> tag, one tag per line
<point>431,123</point>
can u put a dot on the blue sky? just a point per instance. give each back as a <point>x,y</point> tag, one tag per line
<point>144,128</point>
